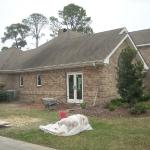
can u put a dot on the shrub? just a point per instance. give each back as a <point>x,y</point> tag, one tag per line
<point>146,105</point>
<point>114,103</point>
<point>117,101</point>
<point>83,105</point>
<point>138,109</point>
<point>3,96</point>
<point>145,97</point>
<point>111,107</point>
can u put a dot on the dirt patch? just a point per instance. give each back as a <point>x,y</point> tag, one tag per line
<point>57,107</point>
<point>38,106</point>
<point>21,121</point>
<point>97,111</point>
<point>101,111</point>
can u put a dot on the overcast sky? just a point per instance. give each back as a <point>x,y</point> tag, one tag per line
<point>105,14</point>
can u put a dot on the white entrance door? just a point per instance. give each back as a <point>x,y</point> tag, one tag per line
<point>75,87</point>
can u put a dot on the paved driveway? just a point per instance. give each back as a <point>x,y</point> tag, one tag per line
<point>11,144</point>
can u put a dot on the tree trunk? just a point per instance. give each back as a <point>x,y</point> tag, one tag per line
<point>16,43</point>
<point>37,42</point>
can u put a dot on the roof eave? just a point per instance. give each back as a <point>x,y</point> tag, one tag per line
<point>141,45</point>
<point>106,60</point>
<point>54,67</point>
<point>127,36</point>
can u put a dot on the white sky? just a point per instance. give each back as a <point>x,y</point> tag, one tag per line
<point>105,14</point>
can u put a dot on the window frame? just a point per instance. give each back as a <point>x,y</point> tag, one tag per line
<point>21,81</point>
<point>37,80</point>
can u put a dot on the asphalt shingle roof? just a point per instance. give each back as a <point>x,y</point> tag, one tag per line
<point>69,47</point>
<point>141,37</point>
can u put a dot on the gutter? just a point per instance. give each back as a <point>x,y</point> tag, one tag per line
<point>140,45</point>
<point>54,67</point>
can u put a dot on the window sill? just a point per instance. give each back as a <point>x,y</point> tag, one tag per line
<point>38,85</point>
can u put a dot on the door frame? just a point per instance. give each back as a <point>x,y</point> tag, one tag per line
<point>75,100</point>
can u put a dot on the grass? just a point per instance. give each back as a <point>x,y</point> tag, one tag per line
<point>108,134</point>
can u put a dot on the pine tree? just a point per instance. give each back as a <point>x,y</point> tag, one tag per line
<point>130,76</point>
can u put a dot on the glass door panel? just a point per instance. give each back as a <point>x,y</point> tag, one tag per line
<point>79,86</point>
<point>71,86</point>
<point>75,87</point>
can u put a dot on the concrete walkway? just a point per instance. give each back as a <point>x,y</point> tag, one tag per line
<point>11,144</point>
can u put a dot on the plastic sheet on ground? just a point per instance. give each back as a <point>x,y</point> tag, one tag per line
<point>4,124</point>
<point>69,126</point>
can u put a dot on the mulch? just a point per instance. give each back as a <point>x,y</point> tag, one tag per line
<point>101,111</point>
<point>96,111</point>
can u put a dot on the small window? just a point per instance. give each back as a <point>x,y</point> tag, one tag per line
<point>39,80</point>
<point>21,80</point>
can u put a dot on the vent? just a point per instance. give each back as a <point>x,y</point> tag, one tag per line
<point>61,31</point>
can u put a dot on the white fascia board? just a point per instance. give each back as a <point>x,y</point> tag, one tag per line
<point>140,45</point>
<point>124,30</point>
<point>144,63</point>
<point>61,66</point>
<point>106,60</point>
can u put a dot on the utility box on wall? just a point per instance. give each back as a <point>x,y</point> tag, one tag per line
<point>11,95</point>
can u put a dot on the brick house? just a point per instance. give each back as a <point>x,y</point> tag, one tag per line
<point>72,67</point>
<point>142,40</point>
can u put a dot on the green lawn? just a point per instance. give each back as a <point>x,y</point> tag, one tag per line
<point>108,134</point>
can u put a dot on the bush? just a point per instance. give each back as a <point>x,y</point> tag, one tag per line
<point>114,103</point>
<point>112,107</point>
<point>83,105</point>
<point>139,108</point>
<point>145,97</point>
<point>3,96</point>
<point>117,101</point>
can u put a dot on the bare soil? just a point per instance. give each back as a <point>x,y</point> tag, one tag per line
<point>21,121</point>
<point>97,111</point>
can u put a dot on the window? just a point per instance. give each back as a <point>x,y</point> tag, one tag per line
<point>21,81</point>
<point>39,80</point>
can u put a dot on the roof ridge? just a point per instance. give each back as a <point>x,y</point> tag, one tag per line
<point>110,30</point>
<point>140,30</point>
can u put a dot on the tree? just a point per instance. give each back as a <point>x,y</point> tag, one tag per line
<point>55,25</point>
<point>36,23</point>
<point>16,32</point>
<point>130,76</point>
<point>4,48</point>
<point>72,17</point>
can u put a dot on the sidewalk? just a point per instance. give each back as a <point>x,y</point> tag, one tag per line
<point>11,144</point>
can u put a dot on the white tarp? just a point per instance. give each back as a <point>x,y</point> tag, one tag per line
<point>4,124</point>
<point>71,125</point>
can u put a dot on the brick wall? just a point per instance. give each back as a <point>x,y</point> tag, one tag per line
<point>108,89</point>
<point>145,51</point>
<point>95,78</point>
<point>53,84</point>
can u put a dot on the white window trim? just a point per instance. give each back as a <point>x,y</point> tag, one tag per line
<point>37,80</point>
<point>21,85</point>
